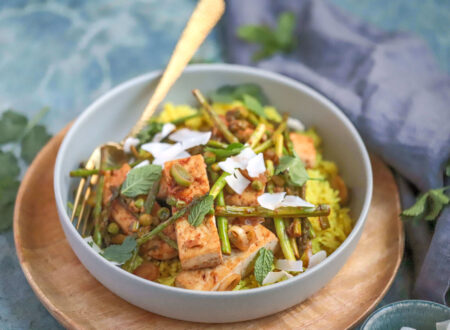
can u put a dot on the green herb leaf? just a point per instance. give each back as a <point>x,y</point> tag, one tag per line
<point>230,93</point>
<point>33,141</point>
<point>428,206</point>
<point>140,180</point>
<point>12,126</point>
<point>447,169</point>
<point>271,41</point>
<point>198,212</point>
<point>253,105</point>
<point>9,167</point>
<point>296,169</point>
<point>8,191</point>
<point>149,131</point>
<point>121,253</point>
<point>230,150</point>
<point>263,264</point>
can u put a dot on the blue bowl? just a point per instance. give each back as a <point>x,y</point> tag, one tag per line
<point>417,314</point>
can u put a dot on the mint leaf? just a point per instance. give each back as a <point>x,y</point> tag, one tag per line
<point>33,141</point>
<point>271,41</point>
<point>428,206</point>
<point>120,253</point>
<point>230,150</point>
<point>263,264</point>
<point>253,105</point>
<point>230,93</point>
<point>140,180</point>
<point>8,191</point>
<point>198,211</point>
<point>296,169</point>
<point>9,167</point>
<point>12,126</point>
<point>149,131</point>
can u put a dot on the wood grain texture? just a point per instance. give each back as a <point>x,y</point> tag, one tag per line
<point>79,301</point>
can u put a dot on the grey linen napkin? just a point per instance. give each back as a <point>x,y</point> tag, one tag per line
<point>390,87</point>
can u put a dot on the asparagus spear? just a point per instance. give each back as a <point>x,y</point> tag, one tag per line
<point>281,212</point>
<point>168,240</point>
<point>218,185</point>
<point>263,146</point>
<point>222,225</point>
<point>215,118</point>
<point>216,144</point>
<point>285,245</point>
<point>257,135</point>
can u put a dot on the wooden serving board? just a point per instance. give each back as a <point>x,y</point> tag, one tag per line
<point>77,300</point>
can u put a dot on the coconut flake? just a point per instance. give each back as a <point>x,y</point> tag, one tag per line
<point>289,265</point>
<point>156,148</point>
<point>239,161</point>
<point>317,258</point>
<point>256,166</point>
<point>273,277</point>
<point>130,142</point>
<point>176,151</point>
<point>290,200</point>
<point>237,182</point>
<point>270,200</point>
<point>295,124</point>
<point>189,138</point>
<point>166,130</point>
<point>143,163</point>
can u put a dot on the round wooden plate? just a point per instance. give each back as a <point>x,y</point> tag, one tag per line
<point>78,301</point>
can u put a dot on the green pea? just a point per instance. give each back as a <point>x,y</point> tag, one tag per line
<point>181,175</point>
<point>139,203</point>
<point>257,185</point>
<point>113,228</point>
<point>210,157</point>
<point>163,213</point>
<point>180,204</point>
<point>145,220</point>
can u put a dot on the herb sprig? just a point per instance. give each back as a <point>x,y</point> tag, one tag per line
<point>263,264</point>
<point>200,209</point>
<point>296,169</point>
<point>428,206</point>
<point>121,253</point>
<point>139,180</point>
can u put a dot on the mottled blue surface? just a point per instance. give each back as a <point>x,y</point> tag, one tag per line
<point>64,54</point>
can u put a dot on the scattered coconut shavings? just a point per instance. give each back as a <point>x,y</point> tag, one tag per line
<point>156,148</point>
<point>271,200</point>
<point>290,200</point>
<point>256,166</point>
<point>166,130</point>
<point>130,142</point>
<point>317,258</point>
<point>239,161</point>
<point>237,182</point>
<point>143,163</point>
<point>97,249</point>
<point>289,265</point>
<point>189,138</point>
<point>273,277</point>
<point>176,151</point>
<point>295,124</point>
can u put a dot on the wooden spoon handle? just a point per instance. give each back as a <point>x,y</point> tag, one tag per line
<point>203,19</point>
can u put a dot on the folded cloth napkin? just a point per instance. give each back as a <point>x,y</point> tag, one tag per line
<point>388,84</point>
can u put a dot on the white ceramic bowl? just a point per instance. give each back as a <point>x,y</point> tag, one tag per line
<point>111,117</point>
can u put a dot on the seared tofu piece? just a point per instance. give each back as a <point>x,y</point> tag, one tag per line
<point>122,216</point>
<point>113,180</point>
<point>198,247</point>
<point>304,147</point>
<point>235,266</point>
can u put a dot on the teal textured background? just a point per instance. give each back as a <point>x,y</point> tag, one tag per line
<point>66,53</point>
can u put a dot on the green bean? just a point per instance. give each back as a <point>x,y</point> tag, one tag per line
<point>281,212</point>
<point>263,146</point>
<point>222,226</point>
<point>215,117</point>
<point>257,135</point>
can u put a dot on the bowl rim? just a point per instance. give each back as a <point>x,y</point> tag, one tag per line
<point>219,67</point>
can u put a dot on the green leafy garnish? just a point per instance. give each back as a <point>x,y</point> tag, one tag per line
<point>33,141</point>
<point>8,191</point>
<point>263,264</point>
<point>230,93</point>
<point>278,40</point>
<point>253,105</point>
<point>230,150</point>
<point>9,167</point>
<point>296,169</point>
<point>121,253</point>
<point>428,205</point>
<point>12,126</point>
<point>149,131</point>
<point>198,211</point>
<point>139,180</point>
